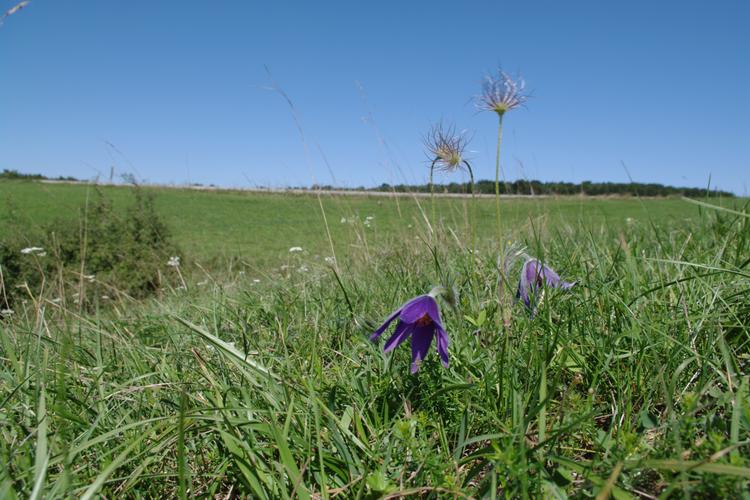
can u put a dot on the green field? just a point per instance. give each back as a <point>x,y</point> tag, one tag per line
<point>634,383</point>
<point>261,228</point>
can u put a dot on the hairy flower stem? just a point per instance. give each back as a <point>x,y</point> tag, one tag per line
<point>473,220</point>
<point>432,193</point>
<point>497,176</point>
<point>503,316</point>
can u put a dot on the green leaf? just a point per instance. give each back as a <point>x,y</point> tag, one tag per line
<point>235,354</point>
<point>42,457</point>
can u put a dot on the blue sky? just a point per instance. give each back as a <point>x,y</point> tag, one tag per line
<point>177,91</point>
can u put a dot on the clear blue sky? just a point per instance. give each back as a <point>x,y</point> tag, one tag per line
<point>178,89</point>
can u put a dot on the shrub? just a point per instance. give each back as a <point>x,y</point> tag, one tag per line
<point>123,249</point>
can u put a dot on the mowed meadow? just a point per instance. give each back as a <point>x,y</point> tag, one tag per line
<point>260,228</point>
<point>246,368</point>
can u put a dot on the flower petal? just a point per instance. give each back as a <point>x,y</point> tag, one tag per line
<point>403,330</point>
<point>567,285</point>
<point>433,311</point>
<point>551,278</point>
<point>385,325</point>
<point>531,271</point>
<point>418,307</point>
<point>528,277</point>
<point>522,294</point>
<point>534,275</point>
<point>442,345</point>
<point>421,340</point>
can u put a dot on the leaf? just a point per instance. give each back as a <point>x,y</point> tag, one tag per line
<point>471,320</point>
<point>378,482</point>
<point>646,420</point>
<point>696,466</point>
<point>42,457</point>
<point>235,354</point>
<point>715,207</point>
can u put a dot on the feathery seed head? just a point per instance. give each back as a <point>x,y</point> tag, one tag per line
<point>501,93</point>
<point>445,146</point>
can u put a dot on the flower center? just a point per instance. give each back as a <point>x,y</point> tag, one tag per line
<point>424,320</point>
<point>501,108</point>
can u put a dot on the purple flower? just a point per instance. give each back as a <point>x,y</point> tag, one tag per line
<point>535,275</point>
<point>419,319</point>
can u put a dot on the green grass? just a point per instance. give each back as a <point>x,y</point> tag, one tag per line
<point>633,383</point>
<point>262,227</point>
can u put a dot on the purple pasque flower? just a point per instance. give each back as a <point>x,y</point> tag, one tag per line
<point>419,319</point>
<point>535,276</point>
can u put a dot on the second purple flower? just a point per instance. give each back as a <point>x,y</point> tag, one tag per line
<point>534,277</point>
<point>418,319</point>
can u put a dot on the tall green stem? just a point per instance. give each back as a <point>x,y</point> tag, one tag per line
<point>473,220</point>
<point>501,290</point>
<point>497,176</point>
<point>432,194</point>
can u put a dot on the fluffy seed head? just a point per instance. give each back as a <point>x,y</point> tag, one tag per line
<point>501,93</point>
<point>445,146</point>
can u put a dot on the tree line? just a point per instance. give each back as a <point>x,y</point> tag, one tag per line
<point>535,187</point>
<point>517,187</point>
<point>16,175</point>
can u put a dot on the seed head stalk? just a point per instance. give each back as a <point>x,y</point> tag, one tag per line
<point>432,192</point>
<point>501,93</point>
<point>497,179</point>
<point>503,316</point>
<point>446,148</point>
<point>473,220</point>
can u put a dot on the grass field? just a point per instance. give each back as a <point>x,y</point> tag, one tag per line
<point>634,383</point>
<point>261,228</point>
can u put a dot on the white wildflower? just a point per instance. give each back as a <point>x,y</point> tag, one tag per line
<point>174,261</point>
<point>256,280</point>
<point>295,249</point>
<point>105,297</point>
<point>6,312</point>
<point>38,251</point>
<point>303,269</point>
<point>330,260</point>
<point>343,220</point>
